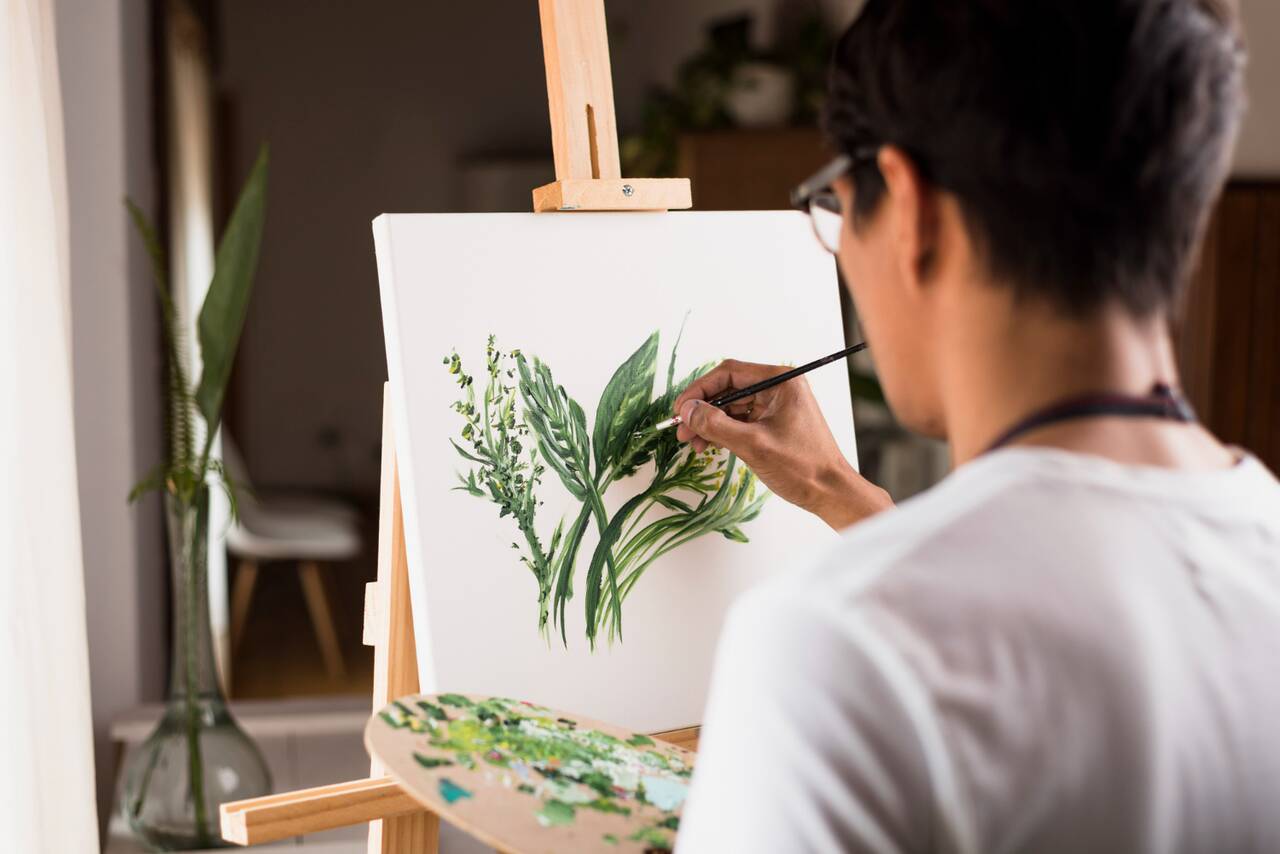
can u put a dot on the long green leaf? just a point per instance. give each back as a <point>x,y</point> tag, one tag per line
<point>222,316</point>
<point>603,555</point>
<point>623,404</point>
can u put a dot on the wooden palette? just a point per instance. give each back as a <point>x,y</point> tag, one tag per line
<point>528,779</point>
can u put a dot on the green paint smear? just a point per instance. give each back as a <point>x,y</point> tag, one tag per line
<point>601,805</point>
<point>433,711</point>
<point>556,814</point>
<point>574,767</point>
<point>451,791</point>
<point>651,836</point>
<point>431,761</point>
<point>611,839</point>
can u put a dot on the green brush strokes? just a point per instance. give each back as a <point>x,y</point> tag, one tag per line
<point>451,791</point>
<point>653,837</point>
<point>566,768</point>
<point>523,424</point>
<point>431,761</point>
<point>556,814</point>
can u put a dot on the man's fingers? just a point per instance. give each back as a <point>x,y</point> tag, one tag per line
<point>702,421</point>
<point>727,375</point>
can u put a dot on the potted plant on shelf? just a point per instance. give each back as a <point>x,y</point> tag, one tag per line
<point>197,757</point>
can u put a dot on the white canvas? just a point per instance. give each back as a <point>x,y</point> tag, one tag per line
<point>582,291</point>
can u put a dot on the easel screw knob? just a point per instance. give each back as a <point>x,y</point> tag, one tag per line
<point>628,190</point>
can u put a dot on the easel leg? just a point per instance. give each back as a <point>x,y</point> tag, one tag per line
<point>395,656</point>
<point>418,833</point>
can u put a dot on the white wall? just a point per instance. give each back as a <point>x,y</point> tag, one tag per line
<point>1258,155</point>
<point>103,50</point>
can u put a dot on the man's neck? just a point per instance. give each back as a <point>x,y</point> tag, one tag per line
<point>1008,359</point>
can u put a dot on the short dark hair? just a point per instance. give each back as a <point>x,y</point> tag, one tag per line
<point>1084,139</point>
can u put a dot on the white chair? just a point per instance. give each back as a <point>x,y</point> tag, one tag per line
<point>304,529</point>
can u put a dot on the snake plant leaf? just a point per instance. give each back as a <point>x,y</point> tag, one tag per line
<point>624,403</point>
<point>222,316</point>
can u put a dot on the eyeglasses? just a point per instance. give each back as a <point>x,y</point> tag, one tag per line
<point>815,197</point>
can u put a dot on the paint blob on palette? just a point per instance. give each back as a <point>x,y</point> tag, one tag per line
<point>523,777</point>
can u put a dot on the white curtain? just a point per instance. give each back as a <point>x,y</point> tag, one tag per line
<point>46,741</point>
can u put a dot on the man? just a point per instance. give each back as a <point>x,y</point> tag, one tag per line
<point>1070,644</point>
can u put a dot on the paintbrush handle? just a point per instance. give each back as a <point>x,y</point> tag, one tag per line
<point>733,396</point>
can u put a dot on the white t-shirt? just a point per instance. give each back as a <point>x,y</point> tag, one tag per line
<point>1047,652</point>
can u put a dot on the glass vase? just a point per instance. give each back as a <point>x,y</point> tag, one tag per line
<point>197,758</point>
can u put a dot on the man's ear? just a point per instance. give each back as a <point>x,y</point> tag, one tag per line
<point>913,215</point>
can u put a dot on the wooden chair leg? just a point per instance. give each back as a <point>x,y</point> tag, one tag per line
<point>241,596</point>
<point>321,618</point>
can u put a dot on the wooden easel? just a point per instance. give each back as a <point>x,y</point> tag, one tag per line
<point>584,138</point>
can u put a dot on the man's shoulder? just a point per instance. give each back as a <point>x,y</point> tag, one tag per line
<point>950,524</point>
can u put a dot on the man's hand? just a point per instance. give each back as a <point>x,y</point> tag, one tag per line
<point>781,434</point>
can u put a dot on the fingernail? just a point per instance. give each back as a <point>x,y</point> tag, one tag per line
<point>686,411</point>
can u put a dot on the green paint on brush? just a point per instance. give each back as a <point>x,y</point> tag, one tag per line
<point>555,813</point>
<point>451,791</point>
<point>430,761</point>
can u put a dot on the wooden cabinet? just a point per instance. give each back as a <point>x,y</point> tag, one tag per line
<point>1228,345</point>
<point>740,170</point>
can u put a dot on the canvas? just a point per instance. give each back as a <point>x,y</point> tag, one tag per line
<point>581,292</point>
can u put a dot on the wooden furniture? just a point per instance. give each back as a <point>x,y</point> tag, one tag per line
<point>584,139</point>
<point>304,531</point>
<point>1228,333</point>
<point>741,170</point>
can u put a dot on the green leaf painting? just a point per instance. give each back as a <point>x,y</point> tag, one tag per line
<point>523,424</point>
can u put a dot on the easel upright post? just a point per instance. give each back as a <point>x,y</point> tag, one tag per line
<point>584,128</point>
<point>389,630</point>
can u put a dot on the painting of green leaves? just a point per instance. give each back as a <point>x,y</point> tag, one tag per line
<point>522,427</point>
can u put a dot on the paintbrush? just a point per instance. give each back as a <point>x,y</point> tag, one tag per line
<point>738,394</point>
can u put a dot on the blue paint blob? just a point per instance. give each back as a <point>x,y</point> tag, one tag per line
<point>451,791</point>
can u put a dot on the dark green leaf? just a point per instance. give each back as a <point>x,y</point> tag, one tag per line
<point>624,403</point>
<point>222,316</point>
